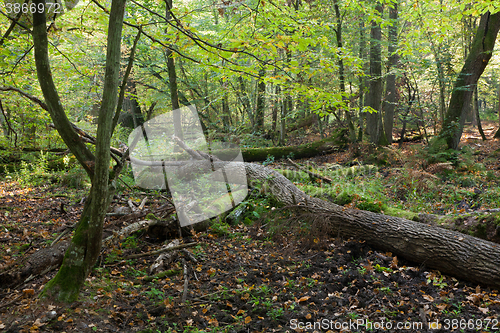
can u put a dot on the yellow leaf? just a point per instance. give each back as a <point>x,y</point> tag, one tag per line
<point>240,312</point>
<point>248,319</point>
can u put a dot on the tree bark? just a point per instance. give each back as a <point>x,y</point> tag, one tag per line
<point>260,104</point>
<point>374,96</point>
<point>335,143</point>
<point>54,106</point>
<point>172,83</point>
<point>450,252</point>
<point>338,33</point>
<point>478,58</point>
<point>390,91</point>
<point>86,243</point>
<point>477,116</point>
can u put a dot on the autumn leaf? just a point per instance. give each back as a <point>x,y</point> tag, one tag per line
<point>248,319</point>
<point>394,263</point>
<point>303,299</point>
<point>428,297</point>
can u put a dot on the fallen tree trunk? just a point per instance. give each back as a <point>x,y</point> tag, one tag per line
<point>334,143</point>
<point>450,252</point>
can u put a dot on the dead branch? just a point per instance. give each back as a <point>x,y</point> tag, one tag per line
<point>165,259</point>
<point>315,175</point>
<point>152,253</point>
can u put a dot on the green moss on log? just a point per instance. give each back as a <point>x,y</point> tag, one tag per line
<point>336,142</point>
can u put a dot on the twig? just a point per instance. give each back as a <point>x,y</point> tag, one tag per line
<point>11,302</point>
<point>152,253</point>
<point>315,175</point>
<point>189,255</point>
<point>186,281</point>
<point>143,203</point>
<point>58,238</point>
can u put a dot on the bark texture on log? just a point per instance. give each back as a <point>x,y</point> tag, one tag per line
<point>450,252</point>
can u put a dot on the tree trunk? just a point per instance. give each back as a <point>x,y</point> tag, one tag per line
<point>478,58</point>
<point>476,114</point>
<point>226,116</point>
<point>362,80</point>
<point>260,104</point>
<point>390,92</point>
<point>350,124</point>
<point>86,243</point>
<point>172,83</point>
<point>336,142</point>
<point>374,96</point>
<point>497,133</point>
<point>450,252</point>
<point>245,100</point>
<point>55,108</point>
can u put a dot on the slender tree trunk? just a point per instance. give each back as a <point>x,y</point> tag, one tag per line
<point>245,101</point>
<point>276,108</point>
<point>478,58</point>
<point>85,245</point>
<point>172,82</point>
<point>390,93</point>
<point>283,129</point>
<point>497,133</point>
<point>350,124</point>
<point>226,117</point>
<point>374,96</point>
<point>260,104</point>
<point>476,114</point>
<point>362,82</point>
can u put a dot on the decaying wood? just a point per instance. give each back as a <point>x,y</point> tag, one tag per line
<point>186,281</point>
<point>143,224</point>
<point>451,252</point>
<point>165,259</point>
<point>36,264</point>
<point>153,253</point>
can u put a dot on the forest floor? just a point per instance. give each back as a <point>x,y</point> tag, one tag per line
<point>268,276</point>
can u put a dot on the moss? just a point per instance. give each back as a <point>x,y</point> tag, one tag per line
<point>370,206</point>
<point>65,286</point>
<point>391,211</point>
<point>151,216</point>
<point>343,199</point>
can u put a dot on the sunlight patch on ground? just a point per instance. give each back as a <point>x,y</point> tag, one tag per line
<point>12,188</point>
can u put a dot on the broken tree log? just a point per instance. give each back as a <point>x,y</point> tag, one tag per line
<point>448,251</point>
<point>336,142</point>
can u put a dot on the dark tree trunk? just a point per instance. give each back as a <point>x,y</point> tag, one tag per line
<point>362,80</point>
<point>276,108</point>
<point>497,133</point>
<point>478,58</point>
<point>172,82</point>
<point>245,100</point>
<point>374,97</point>
<point>476,115</point>
<point>350,124</point>
<point>260,104</point>
<point>390,92</point>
